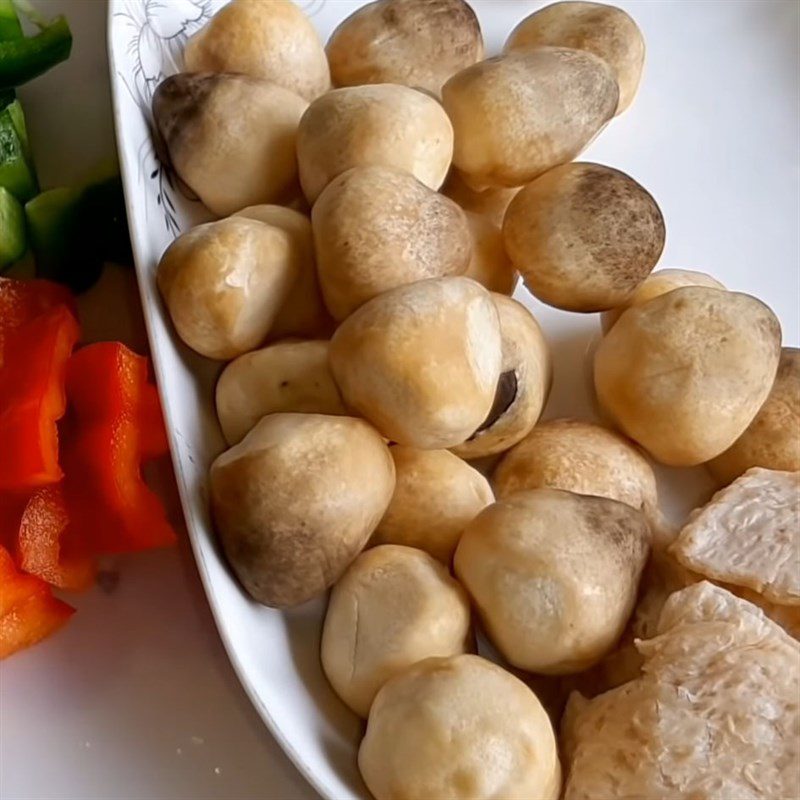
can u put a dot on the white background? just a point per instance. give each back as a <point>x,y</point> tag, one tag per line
<point>135,699</point>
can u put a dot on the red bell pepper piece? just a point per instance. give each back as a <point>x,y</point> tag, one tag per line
<point>32,398</point>
<point>22,301</point>
<point>112,427</point>
<point>28,610</point>
<point>48,547</point>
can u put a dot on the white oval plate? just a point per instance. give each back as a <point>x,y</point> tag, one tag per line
<point>713,135</point>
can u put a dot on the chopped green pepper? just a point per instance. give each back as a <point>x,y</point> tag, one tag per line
<point>25,58</point>
<point>9,21</point>
<point>16,170</point>
<point>74,231</point>
<point>12,229</point>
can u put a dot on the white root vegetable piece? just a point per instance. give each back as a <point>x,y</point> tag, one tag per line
<point>655,284</point>
<point>459,728</point>
<point>685,373</point>
<point>607,31</point>
<point>584,236</point>
<point>715,710</point>
<point>554,576</point>
<point>376,228</point>
<point>581,457</point>
<point>303,313</point>
<point>296,501</point>
<point>393,607</point>
<point>525,377</point>
<point>519,115</point>
<point>436,495</point>
<point>749,535</point>
<point>417,43</point>
<point>230,138</point>
<point>489,203</point>
<point>287,376</point>
<point>421,362</point>
<point>772,439</point>
<point>378,125</point>
<point>274,41</point>
<point>489,265</point>
<point>224,283</point>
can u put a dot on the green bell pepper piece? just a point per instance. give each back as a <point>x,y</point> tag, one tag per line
<point>9,21</point>
<point>24,59</point>
<point>16,171</point>
<point>12,229</point>
<point>74,231</point>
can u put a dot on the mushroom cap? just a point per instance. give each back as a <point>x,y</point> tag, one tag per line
<point>296,501</point>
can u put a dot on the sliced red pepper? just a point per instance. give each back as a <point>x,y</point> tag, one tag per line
<point>28,610</point>
<point>48,546</point>
<point>111,429</point>
<point>22,301</point>
<point>11,508</point>
<point>151,421</point>
<point>32,398</point>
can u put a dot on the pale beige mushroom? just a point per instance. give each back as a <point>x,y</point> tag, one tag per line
<point>274,41</point>
<point>418,43</point>
<point>224,282</point>
<point>230,138</point>
<point>421,362</point>
<point>378,125</point>
<point>525,378</point>
<point>519,115</point>
<point>607,31</point>
<point>489,265</point>
<point>303,313</point>
<point>584,236</point>
<point>394,607</point>
<point>489,203</point>
<point>554,576</point>
<point>657,283</point>
<point>772,439</point>
<point>459,728</point>
<point>287,376</point>
<point>436,495</point>
<point>296,501</point>
<point>685,373</point>
<point>581,457</point>
<point>376,228</point>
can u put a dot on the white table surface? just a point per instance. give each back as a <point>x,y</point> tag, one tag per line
<point>135,699</point>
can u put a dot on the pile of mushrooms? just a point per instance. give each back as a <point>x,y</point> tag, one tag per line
<point>377,201</point>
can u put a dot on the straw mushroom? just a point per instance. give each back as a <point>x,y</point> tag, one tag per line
<point>436,495</point>
<point>519,115</point>
<point>460,728</point>
<point>274,41</point>
<point>224,283</point>
<point>418,43</point>
<point>422,361</point>
<point>606,31</point>
<point>378,125</point>
<point>685,373</point>
<point>287,376</point>
<point>376,228</point>
<point>584,236</point>
<point>229,165</point>
<point>393,607</point>
<point>296,501</point>
<point>554,576</point>
<point>525,377</point>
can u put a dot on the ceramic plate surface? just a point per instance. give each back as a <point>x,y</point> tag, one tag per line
<point>713,135</point>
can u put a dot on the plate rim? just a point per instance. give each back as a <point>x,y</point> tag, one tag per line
<point>186,502</point>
